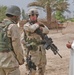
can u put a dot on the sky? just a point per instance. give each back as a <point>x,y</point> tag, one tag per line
<point>23,5</point>
<point>20,3</point>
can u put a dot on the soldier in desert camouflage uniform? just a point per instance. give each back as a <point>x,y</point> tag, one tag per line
<point>11,55</point>
<point>37,52</point>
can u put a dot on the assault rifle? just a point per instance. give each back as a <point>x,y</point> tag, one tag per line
<point>48,43</point>
<point>30,64</point>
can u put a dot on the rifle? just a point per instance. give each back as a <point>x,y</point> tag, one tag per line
<point>30,64</point>
<point>48,43</point>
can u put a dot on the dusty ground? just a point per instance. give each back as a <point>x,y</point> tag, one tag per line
<point>55,64</point>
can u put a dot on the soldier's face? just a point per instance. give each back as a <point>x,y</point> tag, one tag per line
<point>16,18</point>
<point>33,17</point>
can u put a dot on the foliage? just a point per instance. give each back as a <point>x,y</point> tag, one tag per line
<point>2,12</point>
<point>24,15</point>
<point>59,16</point>
<point>51,6</point>
<point>61,7</point>
<point>71,19</point>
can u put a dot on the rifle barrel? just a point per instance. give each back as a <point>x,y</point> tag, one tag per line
<point>59,54</point>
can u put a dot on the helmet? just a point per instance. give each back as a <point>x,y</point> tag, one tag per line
<point>13,10</point>
<point>33,11</point>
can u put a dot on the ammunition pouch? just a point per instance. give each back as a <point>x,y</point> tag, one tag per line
<point>33,44</point>
<point>43,42</point>
<point>32,47</point>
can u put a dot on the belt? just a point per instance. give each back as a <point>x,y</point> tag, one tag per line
<point>5,51</point>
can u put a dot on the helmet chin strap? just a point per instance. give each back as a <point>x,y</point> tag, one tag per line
<point>33,22</point>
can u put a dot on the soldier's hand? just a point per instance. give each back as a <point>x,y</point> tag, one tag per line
<point>41,28</point>
<point>40,24</point>
<point>21,63</point>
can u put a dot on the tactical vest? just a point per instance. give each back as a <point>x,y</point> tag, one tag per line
<point>5,41</point>
<point>32,43</point>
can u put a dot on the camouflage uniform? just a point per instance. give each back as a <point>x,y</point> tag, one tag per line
<point>21,24</point>
<point>9,60</point>
<point>38,54</point>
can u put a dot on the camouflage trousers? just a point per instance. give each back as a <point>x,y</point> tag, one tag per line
<point>9,71</point>
<point>39,59</point>
<point>40,71</point>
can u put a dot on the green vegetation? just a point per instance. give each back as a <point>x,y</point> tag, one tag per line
<point>71,19</point>
<point>24,15</point>
<point>59,16</point>
<point>51,6</point>
<point>2,12</point>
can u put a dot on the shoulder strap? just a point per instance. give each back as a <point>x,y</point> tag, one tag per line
<point>25,36</point>
<point>7,23</point>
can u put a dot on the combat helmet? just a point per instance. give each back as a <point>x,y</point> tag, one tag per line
<point>13,10</point>
<point>33,11</point>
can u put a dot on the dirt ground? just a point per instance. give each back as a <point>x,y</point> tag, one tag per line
<point>55,64</point>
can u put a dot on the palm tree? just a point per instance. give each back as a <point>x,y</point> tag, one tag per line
<point>49,6</point>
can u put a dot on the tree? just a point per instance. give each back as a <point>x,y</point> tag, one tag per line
<point>61,7</point>
<point>24,15</point>
<point>59,16</point>
<point>2,12</point>
<point>50,6</point>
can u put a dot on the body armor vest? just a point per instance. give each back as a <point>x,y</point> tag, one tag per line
<point>5,41</point>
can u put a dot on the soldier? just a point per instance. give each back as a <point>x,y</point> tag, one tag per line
<point>35,52</point>
<point>11,54</point>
